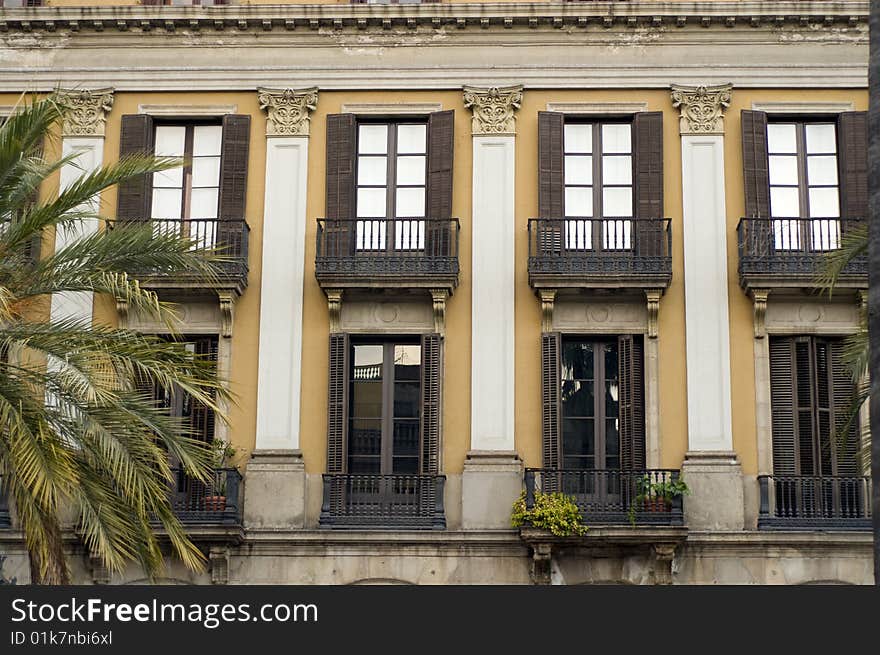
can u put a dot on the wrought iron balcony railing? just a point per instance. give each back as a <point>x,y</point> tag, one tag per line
<point>612,497</point>
<point>217,501</point>
<point>5,518</point>
<point>383,501</point>
<point>777,252</point>
<point>600,253</point>
<point>806,502</point>
<point>230,239</point>
<point>377,252</point>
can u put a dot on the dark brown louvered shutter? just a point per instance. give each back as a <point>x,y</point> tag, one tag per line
<point>233,182</point>
<point>846,418</point>
<point>756,176</point>
<point>135,195</point>
<point>337,403</point>
<point>431,385</point>
<point>341,204</point>
<point>782,405</point>
<point>630,362</point>
<point>648,165</point>
<point>853,154</point>
<point>551,353</point>
<point>438,205</point>
<point>551,181</point>
<point>202,416</point>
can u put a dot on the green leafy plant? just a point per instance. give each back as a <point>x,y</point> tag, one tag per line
<point>664,489</point>
<point>223,453</point>
<point>555,512</point>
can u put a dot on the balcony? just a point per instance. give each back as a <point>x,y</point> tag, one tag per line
<point>230,239</point>
<point>217,502</point>
<point>776,253</point>
<point>384,253</point>
<point>803,502</point>
<point>357,501</point>
<point>610,497</point>
<point>600,254</point>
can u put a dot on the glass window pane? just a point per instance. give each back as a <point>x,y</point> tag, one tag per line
<point>372,170</point>
<point>578,169</point>
<point>578,437</point>
<point>821,138</point>
<point>411,139</point>
<point>617,169</point>
<point>612,444</point>
<point>169,179</point>
<point>371,203</point>
<point>783,169</point>
<point>366,398</point>
<point>369,235</point>
<point>170,140</point>
<point>368,359</point>
<point>372,139</point>
<point>616,138</point>
<point>365,437</point>
<point>406,399</point>
<point>166,203</point>
<point>411,170</point>
<point>617,234</point>
<point>784,202</point>
<point>409,234</point>
<point>407,362</point>
<point>822,170</point>
<point>824,203</point>
<point>781,138</point>
<point>617,201</point>
<point>578,138</point>
<point>577,398</point>
<point>825,235</point>
<point>204,203</point>
<point>579,201</point>
<point>578,234</point>
<point>206,140</point>
<point>410,202</point>
<point>206,171</point>
<point>577,360</point>
<point>405,444</point>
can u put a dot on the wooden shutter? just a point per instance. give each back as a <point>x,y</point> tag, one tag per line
<point>551,181</point>
<point>756,176</point>
<point>135,195</point>
<point>202,416</point>
<point>551,352</point>
<point>337,403</point>
<point>431,406</point>
<point>438,204</point>
<point>648,164</point>
<point>782,405</point>
<point>846,426</point>
<point>233,181</point>
<point>853,157</point>
<point>631,380</point>
<point>341,205</point>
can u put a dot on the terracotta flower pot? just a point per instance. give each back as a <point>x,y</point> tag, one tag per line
<point>656,505</point>
<point>215,503</point>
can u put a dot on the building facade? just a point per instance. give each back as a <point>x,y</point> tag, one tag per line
<point>479,250</point>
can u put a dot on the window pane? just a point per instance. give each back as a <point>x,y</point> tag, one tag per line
<point>822,170</point>
<point>411,170</point>
<point>577,398</point>
<point>821,137</point>
<point>617,201</point>
<point>406,443</point>
<point>787,235</point>
<point>824,203</point>
<point>783,169</point>
<point>406,399</point>
<point>407,362</point>
<point>365,437</point>
<point>366,398</point>
<point>371,203</point>
<point>411,139</point>
<point>578,138</point>
<point>368,360</point>
<point>410,202</point>
<point>206,171</point>
<point>204,203</point>
<point>578,437</point>
<point>612,444</point>
<point>369,235</point>
<point>617,234</point>
<point>781,138</point>
<point>616,138</point>
<point>578,234</point>
<point>206,140</point>
<point>784,202</point>
<point>372,139</point>
<point>372,170</point>
<point>578,169</point>
<point>170,140</point>
<point>825,235</point>
<point>577,360</point>
<point>617,169</point>
<point>409,234</point>
<point>579,201</point>
<point>166,203</point>
<point>170,178</point>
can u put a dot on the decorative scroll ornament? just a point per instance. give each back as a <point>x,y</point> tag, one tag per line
<point>493,108</point>
<point>84,111</point>
<point>288,110</point>
<point>702,107</point>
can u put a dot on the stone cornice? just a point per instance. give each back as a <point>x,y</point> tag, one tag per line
<point>288,110</point>
<point>633,14</point>
<point>84,111</point>
<point>494,108</point>
<point>702,107</point>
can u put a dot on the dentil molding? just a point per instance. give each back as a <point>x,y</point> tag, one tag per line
<point>288,110</point>
<point>702,107</point>
<point>493,108</point>
<point>84,112</point>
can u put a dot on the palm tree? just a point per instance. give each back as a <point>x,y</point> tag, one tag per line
<point>80,433</point>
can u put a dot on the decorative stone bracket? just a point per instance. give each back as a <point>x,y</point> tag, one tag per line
<point>218,557</point>
<point>702,107</point>
<point>288,110</point>
<point>653,302</point>
<point>122,308</point>
<point>548,304</point>
<point>84,112</point>
<point>542,561</point>
<point>100,572</point>
<point>439,298</point>
<point>227,312</point>
<point>334,309</point>
<point>664,556</point>
<point>759,300</point>
<point>493,108</point>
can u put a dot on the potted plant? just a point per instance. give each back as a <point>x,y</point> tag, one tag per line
<point>555,512</point>
<point>656,495</point>
<point>222,453</point>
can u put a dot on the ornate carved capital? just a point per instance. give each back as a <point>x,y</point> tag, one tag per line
<point>652,297</point>
<point>439,296</point>
<point>334,307</point>
<point>493,108</point>
<point>702,107</point>
<point>84,111</point>
<point>759,301</point>
<point>548,302</point>
<point>227,312</point>
<point>288,110</point>
<point>542,563</point>
<point>664,555</point>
